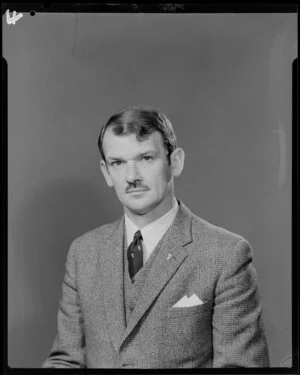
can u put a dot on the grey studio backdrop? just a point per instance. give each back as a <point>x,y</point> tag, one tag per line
<point>224,80</point>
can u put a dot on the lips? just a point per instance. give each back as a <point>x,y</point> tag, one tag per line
<point>136,191</point>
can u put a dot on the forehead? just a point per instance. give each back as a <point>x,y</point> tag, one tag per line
<point>128,145</point>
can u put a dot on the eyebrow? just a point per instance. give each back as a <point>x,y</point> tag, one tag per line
<point>147,153</point>
<point>112,158</point>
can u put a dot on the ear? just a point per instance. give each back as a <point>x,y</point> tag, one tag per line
<point>177,161</point>
<point>105,173</point>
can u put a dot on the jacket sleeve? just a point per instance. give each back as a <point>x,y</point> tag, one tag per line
<point>238,330</point>
<point>68,350</point>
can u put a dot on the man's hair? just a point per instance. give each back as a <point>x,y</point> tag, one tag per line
<point>141,121</point>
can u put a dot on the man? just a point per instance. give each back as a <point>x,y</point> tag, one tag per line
<point>160,287</point>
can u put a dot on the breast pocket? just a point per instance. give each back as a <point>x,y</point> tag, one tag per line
<point>188,331</point>
<point>177,312</point>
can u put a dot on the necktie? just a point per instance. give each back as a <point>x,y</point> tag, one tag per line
<point>135,254</point>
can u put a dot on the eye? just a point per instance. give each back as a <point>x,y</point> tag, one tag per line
<point>147,157</point>
<point>116,163</point>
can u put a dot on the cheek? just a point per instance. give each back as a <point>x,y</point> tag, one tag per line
<point>160,179</point>
<point>117,181</point>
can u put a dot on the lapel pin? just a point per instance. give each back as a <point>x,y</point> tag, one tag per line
<point>169,256</point>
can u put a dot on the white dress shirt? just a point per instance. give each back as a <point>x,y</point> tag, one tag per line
<point>151,233</point>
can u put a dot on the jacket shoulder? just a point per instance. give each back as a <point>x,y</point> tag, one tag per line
<point>95,234</point>
<point>219,244</point>
<point>88,244</point>
<point>214,233</point>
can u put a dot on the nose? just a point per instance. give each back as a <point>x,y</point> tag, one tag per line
<point>132,172</point>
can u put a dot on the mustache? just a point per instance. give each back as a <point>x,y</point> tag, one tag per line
<point>134,186</point>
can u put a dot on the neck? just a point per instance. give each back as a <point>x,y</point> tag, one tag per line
<point>157,212</point>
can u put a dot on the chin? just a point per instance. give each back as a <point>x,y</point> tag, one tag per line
<point>140,208</point>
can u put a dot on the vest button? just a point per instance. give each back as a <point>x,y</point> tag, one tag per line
<point>127,365</point>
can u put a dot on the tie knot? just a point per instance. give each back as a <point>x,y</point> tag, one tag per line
<point>138,235</point>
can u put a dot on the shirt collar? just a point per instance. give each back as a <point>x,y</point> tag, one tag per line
<point>154,231</point>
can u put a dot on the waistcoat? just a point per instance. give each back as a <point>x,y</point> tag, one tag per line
<point>132,290</point>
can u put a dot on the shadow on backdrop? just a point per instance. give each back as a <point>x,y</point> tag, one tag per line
<point>51,219</point>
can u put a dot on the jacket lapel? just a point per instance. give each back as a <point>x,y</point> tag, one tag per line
<point>166,263</point>
<point>113,282</point>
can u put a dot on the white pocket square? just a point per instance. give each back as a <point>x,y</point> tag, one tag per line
<point>186,301</point>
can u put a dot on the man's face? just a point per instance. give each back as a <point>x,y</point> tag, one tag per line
<point>138,170</point>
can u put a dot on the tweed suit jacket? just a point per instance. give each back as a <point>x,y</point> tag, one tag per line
<point>225,331</point>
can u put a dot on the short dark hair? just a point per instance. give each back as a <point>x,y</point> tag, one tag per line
<point>141,121</point>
